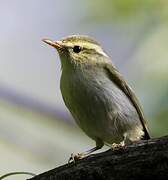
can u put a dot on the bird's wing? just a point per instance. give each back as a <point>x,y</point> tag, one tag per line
<point>117,78</point>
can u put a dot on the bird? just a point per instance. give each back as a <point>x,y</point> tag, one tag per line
<point>100,100</point>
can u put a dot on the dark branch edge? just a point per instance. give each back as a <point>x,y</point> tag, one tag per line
<point>142,160</point>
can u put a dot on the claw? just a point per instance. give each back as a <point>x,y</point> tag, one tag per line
<point>118,146</point>
<point>75,157</point>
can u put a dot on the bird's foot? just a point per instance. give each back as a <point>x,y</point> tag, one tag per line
<point>75,157</point>
<point>118,146</point>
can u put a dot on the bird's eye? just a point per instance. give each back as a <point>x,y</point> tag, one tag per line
<point>76,49</point>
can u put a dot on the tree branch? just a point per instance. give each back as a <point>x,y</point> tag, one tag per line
<point>145,159</point>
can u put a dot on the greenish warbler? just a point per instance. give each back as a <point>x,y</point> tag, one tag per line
<point>100,100</point>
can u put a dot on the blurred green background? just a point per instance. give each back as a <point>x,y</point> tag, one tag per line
<point>37,132</point>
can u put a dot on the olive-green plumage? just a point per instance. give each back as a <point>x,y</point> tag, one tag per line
<point>98,97</point>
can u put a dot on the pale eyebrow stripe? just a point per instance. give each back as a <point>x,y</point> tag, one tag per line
<point>100,51</point>
<point>86,45</point>
<point>103,53</point>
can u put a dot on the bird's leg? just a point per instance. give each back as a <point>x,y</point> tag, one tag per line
<point>75,157</point>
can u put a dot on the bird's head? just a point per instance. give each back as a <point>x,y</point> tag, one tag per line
<point>78,49</point>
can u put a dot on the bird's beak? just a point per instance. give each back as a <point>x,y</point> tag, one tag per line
<point>55,44</point>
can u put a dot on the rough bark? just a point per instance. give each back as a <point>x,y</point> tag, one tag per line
<point>143,160</point>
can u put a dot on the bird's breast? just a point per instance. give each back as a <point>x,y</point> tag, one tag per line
<point>95,102</point>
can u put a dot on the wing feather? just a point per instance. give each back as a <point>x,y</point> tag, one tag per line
<point>118,79</point>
